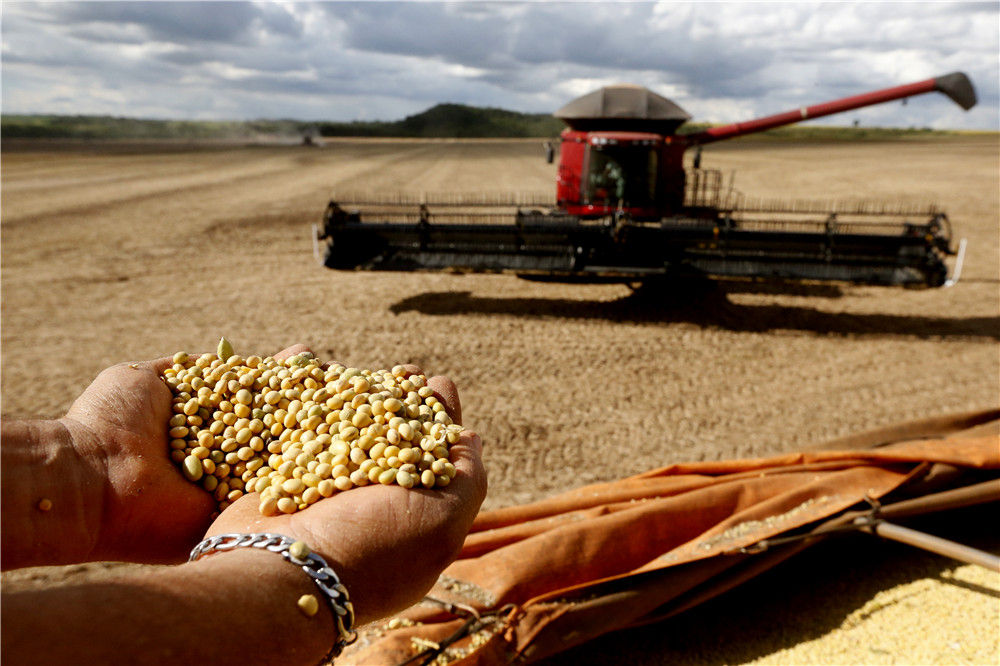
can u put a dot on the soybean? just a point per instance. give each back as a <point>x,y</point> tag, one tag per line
<point>298,433</point>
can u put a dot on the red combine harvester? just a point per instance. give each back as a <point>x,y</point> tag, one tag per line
<point>627,210</point>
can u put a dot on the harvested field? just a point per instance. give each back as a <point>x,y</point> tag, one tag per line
<point>126,253</point>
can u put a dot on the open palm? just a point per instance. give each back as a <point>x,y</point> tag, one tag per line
<point>386,543</point>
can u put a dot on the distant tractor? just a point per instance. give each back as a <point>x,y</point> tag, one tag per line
<point>627,210</point>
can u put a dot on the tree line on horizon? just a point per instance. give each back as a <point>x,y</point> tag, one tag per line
<point>440,121</point>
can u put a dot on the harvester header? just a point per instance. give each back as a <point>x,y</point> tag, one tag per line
<point>627,209</point>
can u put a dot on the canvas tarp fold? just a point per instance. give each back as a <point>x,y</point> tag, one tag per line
<point>536,579</point>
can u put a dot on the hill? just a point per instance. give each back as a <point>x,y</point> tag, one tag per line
<point>454,120</point>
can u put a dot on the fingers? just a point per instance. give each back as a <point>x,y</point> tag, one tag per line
<point>446,391</point>
<point>469,485</point>
<point>288,352</point>
<point>412,369</point>
<point>156,365</point>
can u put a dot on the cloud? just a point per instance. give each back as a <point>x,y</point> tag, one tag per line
<point>168,21</point>
<point>722,62</point>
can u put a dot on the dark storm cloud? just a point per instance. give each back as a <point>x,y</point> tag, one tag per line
<point>168,21</point>
<point>721,61</point>
<point>419,29</point>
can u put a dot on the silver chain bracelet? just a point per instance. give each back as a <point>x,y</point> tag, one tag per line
<point>315,566</point>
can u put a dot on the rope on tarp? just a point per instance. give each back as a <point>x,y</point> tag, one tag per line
<point>474,621</point>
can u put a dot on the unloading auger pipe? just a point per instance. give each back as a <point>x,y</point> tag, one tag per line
<point>934,544</point>
<point>955,85</point>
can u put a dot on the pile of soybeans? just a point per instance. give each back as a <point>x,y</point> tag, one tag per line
<point>296,431</point>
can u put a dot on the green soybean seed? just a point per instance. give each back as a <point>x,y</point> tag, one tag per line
<point>224,350</point>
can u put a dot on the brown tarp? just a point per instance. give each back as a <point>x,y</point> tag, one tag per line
<point>536,579</point>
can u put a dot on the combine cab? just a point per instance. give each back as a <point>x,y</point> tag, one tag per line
<point>627,210</point>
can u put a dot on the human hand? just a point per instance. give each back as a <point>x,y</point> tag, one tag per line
<point>119,427</point>
<point>387,543</point>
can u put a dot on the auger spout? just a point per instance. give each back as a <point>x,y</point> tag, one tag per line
<point>955,85</point>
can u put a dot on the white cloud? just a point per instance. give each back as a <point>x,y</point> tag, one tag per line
<point>722,62</point>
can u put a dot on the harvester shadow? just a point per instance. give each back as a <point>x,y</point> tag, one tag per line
<point>707,309</point>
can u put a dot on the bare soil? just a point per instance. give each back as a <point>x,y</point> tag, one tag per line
<point>113,255</point>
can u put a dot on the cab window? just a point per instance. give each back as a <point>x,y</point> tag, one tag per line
<point>624,174</point>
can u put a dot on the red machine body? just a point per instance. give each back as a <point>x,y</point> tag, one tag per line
<point>604,170</point>
<point>650,185</point>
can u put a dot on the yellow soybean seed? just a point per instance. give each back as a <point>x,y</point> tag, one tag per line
<point>404,479</point>
<point>308,604</point>
<point>269,507</point>
<point>427,478</point>
<point>44,504</point>
<point>257,425</point>
<point>192,468</point>
<point>299,550</point>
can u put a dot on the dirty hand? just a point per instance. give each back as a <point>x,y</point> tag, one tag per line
<point>118,425</point>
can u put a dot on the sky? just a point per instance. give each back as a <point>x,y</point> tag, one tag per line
<point>343,61</point>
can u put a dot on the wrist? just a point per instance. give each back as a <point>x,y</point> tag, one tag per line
<point>52,495</point>
<point>272,587</point>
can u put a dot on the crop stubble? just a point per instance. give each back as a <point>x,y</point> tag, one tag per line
<point>125,255</point>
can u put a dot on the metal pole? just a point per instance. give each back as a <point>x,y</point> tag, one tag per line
<point>933,544</point>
